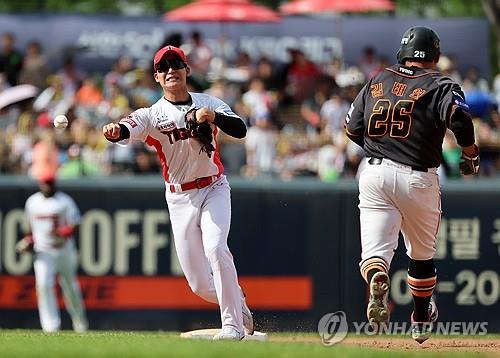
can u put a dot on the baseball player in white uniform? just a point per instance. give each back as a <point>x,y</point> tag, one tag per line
<point>197,192</point>
<point>53,217</point>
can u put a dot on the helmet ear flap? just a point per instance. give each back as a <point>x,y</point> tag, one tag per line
<point>398,56</point>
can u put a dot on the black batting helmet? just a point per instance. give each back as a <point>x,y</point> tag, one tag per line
<point>419,43</point>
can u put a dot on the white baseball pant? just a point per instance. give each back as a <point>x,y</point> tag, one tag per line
<point>394,197</point>
<point>200,220</point>
<point>47,265</point>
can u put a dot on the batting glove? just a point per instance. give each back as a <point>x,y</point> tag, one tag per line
<point>470,164</point>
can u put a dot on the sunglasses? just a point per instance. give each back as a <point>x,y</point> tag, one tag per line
<point>166,64</point>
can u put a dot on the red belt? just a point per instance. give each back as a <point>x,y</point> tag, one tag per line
<point>195,184</point>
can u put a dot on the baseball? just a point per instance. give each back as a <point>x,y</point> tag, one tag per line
<point>61,121</point>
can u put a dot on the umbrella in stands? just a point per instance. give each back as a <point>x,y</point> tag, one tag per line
<point>223,11</point>
<point>16,94</point>
<point>309,7</point>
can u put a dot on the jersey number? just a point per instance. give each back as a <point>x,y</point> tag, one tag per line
<point>396,120</point>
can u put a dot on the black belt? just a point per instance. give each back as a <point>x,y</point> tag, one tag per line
<point>378,161</point>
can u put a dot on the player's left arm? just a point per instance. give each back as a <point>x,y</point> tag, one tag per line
<point>231,125</point>
<point>72,220</point>
<point>459,121</point>
<point>228,121</point>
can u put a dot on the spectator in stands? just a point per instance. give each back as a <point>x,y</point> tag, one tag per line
<point>45,157</point>
<point>21,136</point>
<point>369,63</point>
<point>268,74</point>
<point>447,66</point>
<point>260,145</point>
<point>128,85</point>
<point>4,154</point>
<point>121,75</point>
<point>76,166</point>
<point>145,162</point>
<point>258,100</point>
<point>477,94</point>
<point>54,100</point>
<point>451,156</point>
<point>115,103</point>
<point>311,107</point>
<point>242,70</point>
<point>35,69</point>
<point>301,75</point>
<point>89,95</point>
<point>473,80</point>
<point>220,88</point>
<point>11,60</point>
<point>199,56</point>
<point>145,92</point>
<point>172,39</point>
<point>331,161</point>
<point>334,67</point>
<point>71,76</point>
<point>333,113</point>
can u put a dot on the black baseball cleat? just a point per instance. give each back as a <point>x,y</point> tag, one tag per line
<point>421,331</point>
<point>377,310</point>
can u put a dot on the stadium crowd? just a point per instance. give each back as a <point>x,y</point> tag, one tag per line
<point>294,111</point>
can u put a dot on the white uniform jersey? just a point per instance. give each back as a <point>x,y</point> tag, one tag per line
<point>163,126</point>
<point>45,215</point>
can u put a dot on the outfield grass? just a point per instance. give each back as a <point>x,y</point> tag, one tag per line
<point>31,343</point>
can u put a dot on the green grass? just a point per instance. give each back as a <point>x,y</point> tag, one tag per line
<point>33,343</point>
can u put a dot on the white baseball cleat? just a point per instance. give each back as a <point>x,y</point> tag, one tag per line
<point>247,316</point>
<point>377,311</point>
<point>229,333</point>
<point>80,325</point>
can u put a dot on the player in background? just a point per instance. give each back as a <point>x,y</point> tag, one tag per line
<point>53,219</point>
<point>400,118</point>
<point>197,191</point>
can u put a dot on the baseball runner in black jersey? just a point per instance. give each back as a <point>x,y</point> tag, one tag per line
<point>400,118</point>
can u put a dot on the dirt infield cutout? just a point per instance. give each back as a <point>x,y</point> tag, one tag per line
<point>479,344</point>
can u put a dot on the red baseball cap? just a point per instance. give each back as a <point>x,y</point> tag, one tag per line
<point>169,51</point>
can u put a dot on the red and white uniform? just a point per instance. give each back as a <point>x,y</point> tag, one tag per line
<point>200,217</point>
<point>163,126</point>
<point>47,214</point>
<point>55,256</point>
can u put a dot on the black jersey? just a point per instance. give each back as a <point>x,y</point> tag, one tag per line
<point>402,114</point>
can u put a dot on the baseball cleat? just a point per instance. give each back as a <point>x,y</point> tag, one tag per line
<point>421,331</point>
<point>247,316</point>
<point>377,310</point>
<point>80,325</point>
<point>228,333</point>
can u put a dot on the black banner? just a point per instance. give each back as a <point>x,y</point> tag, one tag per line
<point>300,235</point>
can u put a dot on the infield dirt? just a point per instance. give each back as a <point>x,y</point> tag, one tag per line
<point>490,345</point>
